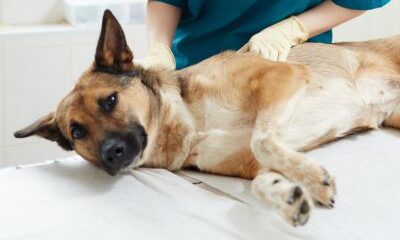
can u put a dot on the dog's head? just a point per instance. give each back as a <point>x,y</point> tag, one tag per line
<point>107,116</point>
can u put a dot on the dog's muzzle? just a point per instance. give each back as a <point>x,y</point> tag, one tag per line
<point>119,150</point>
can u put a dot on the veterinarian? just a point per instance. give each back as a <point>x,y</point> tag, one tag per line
<point>192,30</point>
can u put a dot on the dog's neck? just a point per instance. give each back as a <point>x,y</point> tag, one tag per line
<point>174,130</point>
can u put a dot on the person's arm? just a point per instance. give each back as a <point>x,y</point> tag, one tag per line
<point>276,41</point>
<point>326,16</point>
<point>162,21</point>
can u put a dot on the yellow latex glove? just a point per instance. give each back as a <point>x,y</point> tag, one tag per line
<point>158,55</point>
<point>275,42</point>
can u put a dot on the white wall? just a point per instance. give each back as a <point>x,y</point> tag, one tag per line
<point>30,11</point>
<point>376,23</point>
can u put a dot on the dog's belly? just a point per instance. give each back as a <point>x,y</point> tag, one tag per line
<point>334,107</point>
<point>327,109</point>
<point>342,95</point>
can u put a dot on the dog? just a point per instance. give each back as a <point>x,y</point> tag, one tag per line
<point>233,114</point>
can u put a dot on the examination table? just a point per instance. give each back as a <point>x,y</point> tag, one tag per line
<point>71,199</point>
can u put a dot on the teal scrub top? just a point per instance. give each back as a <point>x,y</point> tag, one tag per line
<point>208,27</point>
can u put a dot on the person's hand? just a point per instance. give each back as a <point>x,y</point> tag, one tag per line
<point>158,55</point>
<point>275,42</point>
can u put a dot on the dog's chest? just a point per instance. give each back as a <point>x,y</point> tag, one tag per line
<point>223,129</point>
<point>223,116</point>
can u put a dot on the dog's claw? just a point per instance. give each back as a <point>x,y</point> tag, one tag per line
<point>325,181</point>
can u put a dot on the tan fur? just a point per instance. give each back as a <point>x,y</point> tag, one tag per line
<point>238,114</point>
<point>239,164</point>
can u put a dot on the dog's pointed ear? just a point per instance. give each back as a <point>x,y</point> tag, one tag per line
<point>45,127</point>
<point>112,52</point>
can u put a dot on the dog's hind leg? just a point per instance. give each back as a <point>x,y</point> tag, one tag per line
<point>292,200</point>
<point>274,155</point>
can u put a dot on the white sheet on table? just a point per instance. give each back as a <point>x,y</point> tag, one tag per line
<point>71,199</point>
<point>367,171</point>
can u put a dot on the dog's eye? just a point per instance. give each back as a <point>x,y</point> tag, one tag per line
<point>77,131</point>
<point>108,104</point>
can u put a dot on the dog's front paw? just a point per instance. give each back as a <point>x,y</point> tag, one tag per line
<point>322,187</point>
<point>291,199</point>
<point>297,207</point>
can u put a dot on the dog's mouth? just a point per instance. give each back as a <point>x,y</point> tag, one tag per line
<point>134,164</point>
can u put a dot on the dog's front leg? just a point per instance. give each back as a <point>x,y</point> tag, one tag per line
<point>292,200</point>
<point>276,156</point>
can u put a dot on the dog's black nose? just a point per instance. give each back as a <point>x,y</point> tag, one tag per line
<point>114,152</point>
<point>114,155</point>
<point>119,149</point>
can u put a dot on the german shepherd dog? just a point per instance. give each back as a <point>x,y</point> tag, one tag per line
<point>233,114</point>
